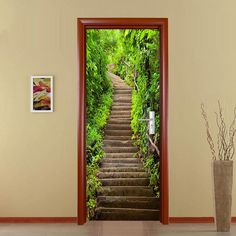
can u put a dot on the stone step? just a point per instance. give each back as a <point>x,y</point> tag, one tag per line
<point>108,137</point>
<point>119,121</point>
<point>114,132</point>
<point>117,143</point>
<point>104,175</point>
<point>121,108</point>
<point>125,104</point>
<point>121,165</point>
<point>120,116</point>
<point>120,160</point>
<point>128,202</point>
<point>125,182</point>
<point>126,191</point>
<point>123,100</point>
<point>120,112</point>
<point>118,126</point>
<point>126,214</point>
<point>126,95</point>
<point>122,91</point>
<point>122,169</point>
<point>121,86</point>
<point>120,149</point>
<point>120,155</point>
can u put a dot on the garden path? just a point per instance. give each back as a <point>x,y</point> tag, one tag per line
<point>125,192</point>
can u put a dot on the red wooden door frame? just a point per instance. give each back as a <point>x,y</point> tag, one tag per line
<point>123,23</point>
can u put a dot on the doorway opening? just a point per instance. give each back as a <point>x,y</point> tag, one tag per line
<point>122,143</point>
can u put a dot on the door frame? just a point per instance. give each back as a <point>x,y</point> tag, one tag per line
<point>122,23</point>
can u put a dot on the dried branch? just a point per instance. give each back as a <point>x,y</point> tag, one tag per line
<point>225,140</point>
<point>223,132</point>
<point>219,141</point>
<point>135,76</point>
<point>232,132</point>
<point>209,138</point>
<point>154,145</point>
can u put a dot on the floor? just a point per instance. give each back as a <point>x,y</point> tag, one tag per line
<point>109,228</point>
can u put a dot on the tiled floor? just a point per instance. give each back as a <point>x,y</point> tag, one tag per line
<point>108,228</point>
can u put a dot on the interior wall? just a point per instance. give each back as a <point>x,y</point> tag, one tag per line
<point>38,151</point>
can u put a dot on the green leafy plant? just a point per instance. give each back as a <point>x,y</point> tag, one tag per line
<point>98,103</point>
<point>135,55</point>
<point>153,168</point>
<point>138,64</point>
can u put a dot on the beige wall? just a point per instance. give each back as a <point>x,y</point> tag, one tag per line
<point>39,37</point>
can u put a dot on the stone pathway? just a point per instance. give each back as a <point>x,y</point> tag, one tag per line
<point>125,193</point>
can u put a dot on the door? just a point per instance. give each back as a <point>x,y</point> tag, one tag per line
<point>161,26</point>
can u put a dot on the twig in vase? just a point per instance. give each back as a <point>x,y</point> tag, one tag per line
<point>225,140</point>
<point>209,138</point>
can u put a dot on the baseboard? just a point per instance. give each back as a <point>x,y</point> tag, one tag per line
<point>191,219</point>
<point>74,219</point>
<point>196,219</point>
<point>233,219</point>
<point>38,219</point>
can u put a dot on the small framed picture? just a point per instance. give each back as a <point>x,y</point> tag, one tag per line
<point>41,93</point>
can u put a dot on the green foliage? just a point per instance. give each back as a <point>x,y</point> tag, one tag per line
<point>153,165</point>
<point>97,82</point>
<point>95,127</point>
<point>135,53</point>
<point>98,103</point>
<point>138,63</point>
<point>93,185</point>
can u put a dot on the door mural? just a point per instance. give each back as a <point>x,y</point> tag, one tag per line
<point>123,124</point>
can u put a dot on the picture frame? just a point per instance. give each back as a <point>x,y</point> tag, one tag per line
<point>41,93</point>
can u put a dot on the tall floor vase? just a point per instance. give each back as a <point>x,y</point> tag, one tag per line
<point>223,181</point>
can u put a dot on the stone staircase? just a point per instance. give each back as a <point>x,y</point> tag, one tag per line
<point>125,192</point>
